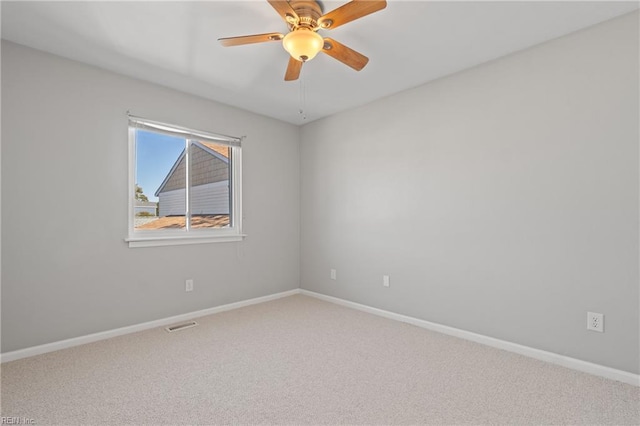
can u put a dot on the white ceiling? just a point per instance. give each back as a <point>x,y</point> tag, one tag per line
<point>174,44</point>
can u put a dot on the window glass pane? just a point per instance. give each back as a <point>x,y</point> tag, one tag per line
<point>209,195</point>
<point>160,181</point>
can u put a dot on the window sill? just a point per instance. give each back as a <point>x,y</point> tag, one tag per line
<point>135,242</point>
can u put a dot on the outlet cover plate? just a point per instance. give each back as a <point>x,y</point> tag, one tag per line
<point>385,281</point>
<point>595,322</point>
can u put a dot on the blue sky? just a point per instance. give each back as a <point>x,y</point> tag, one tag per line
<point>155,155</point>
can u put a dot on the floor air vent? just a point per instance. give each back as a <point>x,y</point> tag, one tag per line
<point>182,326</point>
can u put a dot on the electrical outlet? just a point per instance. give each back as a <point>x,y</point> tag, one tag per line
<point>595,322</point>
<point>188,285</point>
<point>385,281</point>
<point>333,274</point>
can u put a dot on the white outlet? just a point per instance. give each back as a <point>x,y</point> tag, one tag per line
<point>385,281</point>
<point>188,285</point>
<point>333,274</point>
<point>595,322</point>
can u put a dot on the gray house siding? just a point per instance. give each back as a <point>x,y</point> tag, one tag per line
<point>205,168</point>
<point>211,198</point>
<point>209,170</point>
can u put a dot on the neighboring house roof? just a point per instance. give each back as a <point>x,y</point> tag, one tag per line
<point>222,150</point>
<point>217,152</point>
<point>197,221</point>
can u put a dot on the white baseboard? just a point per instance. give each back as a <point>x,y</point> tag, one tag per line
<point>76,341</point>
<point>553,358</point>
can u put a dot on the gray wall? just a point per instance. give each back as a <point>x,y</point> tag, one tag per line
<point>66,270</point>
<point>501,200</point>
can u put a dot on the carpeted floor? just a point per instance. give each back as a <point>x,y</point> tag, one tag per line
<point>299,360</point>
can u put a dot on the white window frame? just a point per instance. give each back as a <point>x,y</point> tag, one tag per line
<point>165,237</point>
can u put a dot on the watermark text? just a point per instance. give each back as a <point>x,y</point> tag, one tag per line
<point>16,421</point>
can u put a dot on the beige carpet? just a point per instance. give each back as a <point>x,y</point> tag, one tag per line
<point>299,360</point>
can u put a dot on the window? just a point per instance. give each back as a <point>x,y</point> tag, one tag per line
<point>184,185</point>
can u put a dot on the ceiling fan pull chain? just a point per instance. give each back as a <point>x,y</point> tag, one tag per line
<point>303,100</point>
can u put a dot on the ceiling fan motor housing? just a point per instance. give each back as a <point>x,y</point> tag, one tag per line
<point>308,11</point>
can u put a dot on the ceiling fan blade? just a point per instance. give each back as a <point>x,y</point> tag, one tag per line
<point>249,39</point>
<point>293,69</point>
<point>351,11</point>
<point>347,56</point>
<point>285,10</point>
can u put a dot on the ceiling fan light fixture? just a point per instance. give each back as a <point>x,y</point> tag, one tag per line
<point>304,18</point>
<point>303,44</point>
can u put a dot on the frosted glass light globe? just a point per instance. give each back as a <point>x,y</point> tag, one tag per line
<point>303,44</point>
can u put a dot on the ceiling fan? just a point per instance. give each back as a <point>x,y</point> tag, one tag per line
<point>304,18</point>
